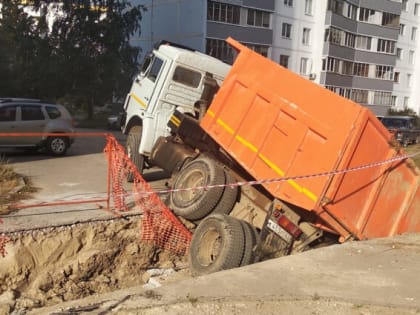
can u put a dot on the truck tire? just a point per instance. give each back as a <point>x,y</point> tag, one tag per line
<point>217,244</point>
<point>57,146</point>
<point>132,146</point>
<point>251,239</point>
<point>196,204</point>
<point>229,196</point>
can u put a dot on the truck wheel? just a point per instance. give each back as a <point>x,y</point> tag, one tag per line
<point>133,144</point>
<point>57,146</point>
<point>229,196</point>
<point>251,239</point>
<point>217,244</point>
<point>196,204</point>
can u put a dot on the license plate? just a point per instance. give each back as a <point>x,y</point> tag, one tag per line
<point>273,226</point>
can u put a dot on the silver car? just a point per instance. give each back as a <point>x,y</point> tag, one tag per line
<point>18,115</point>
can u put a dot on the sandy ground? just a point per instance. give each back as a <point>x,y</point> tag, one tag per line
<point>379,276</point>
<point>52,265</point>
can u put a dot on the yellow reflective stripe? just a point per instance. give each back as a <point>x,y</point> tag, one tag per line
<point>273,166</point>
<point>210,113</point>
<point>295,185</point>
<point>224,125</point>
<point>246,143</point>
<point>303,190</point>
<point>175,121</point>
<point>138,100</point>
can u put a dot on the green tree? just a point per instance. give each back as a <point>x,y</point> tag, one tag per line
<point>73,49</point>
<point>18,38</point>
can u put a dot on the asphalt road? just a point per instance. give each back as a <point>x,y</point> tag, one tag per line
<point>81,175</point>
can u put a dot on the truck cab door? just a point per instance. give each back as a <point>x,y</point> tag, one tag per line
<point>145,82</point>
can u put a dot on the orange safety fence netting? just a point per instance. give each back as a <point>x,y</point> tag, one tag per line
<point>158,225</point>
<point>3,241</point>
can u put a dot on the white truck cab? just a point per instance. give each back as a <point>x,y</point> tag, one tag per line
<point>172,77</point>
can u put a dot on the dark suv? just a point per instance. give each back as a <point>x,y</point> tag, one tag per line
<point>404,128</point>
<point>18,115</point>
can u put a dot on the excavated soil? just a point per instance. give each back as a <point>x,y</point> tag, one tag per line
<point>49,266</point>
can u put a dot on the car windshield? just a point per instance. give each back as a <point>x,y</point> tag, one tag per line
<point>396,122</point>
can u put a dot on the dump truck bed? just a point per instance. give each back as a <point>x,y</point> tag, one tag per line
<point>276,124</point>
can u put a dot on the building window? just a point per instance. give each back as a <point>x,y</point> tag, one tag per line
<point>350,11</point>
<point>335,6</point>
<point>404,6</point>
<point>402,29</point>
<point>366,15</point>
<point>414,33</point>
<point>416,9</point>
<point>393,100</point>
<point>397,77</point>
<point>261,49</point>
<point>359,96</point>
<point>389,19</point>
<point>222,12</point>
<point>363,42</point>
<point>288,3</point>
<point>306,36</point>
<point>406,101</point>
<point>284,60</point>
<point>399,53</point>
<point>349,40</point>
<point>258,18</point>
<point>411,57</point>
<point>384,72</point>
<point>331,65</point>
<point>286,30</point>
<point>334,36</point>
<point>347,67</point>
<point>219,49</point>
<point>386,46</point>
<point>382,98</point>
<point>345,92</point>
<point>304,65</point>
<point>361,69</point>
<point>409,81</point>
<point>308,7</point>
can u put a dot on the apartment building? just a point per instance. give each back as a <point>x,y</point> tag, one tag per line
<point>204,25</point>
<point>406,92</point>
<point>364,50</point>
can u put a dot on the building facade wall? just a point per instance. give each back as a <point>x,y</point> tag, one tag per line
<point>187,22</point>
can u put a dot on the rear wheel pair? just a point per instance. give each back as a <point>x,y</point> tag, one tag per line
<point>222,242</point>
<point>200,189</point>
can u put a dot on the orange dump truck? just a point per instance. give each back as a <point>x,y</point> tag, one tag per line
<point>278,165</point>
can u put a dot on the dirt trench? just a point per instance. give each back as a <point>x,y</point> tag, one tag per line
<point>46,267</point>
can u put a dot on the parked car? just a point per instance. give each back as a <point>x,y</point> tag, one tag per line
<point>113,122</point>
<point>404,128</point>
<point>19,115</point>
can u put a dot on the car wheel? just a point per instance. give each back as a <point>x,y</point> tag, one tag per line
<point>57,146</point>
<point>196,204</point>
<point>133,144</point>
<point>217,244</point>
